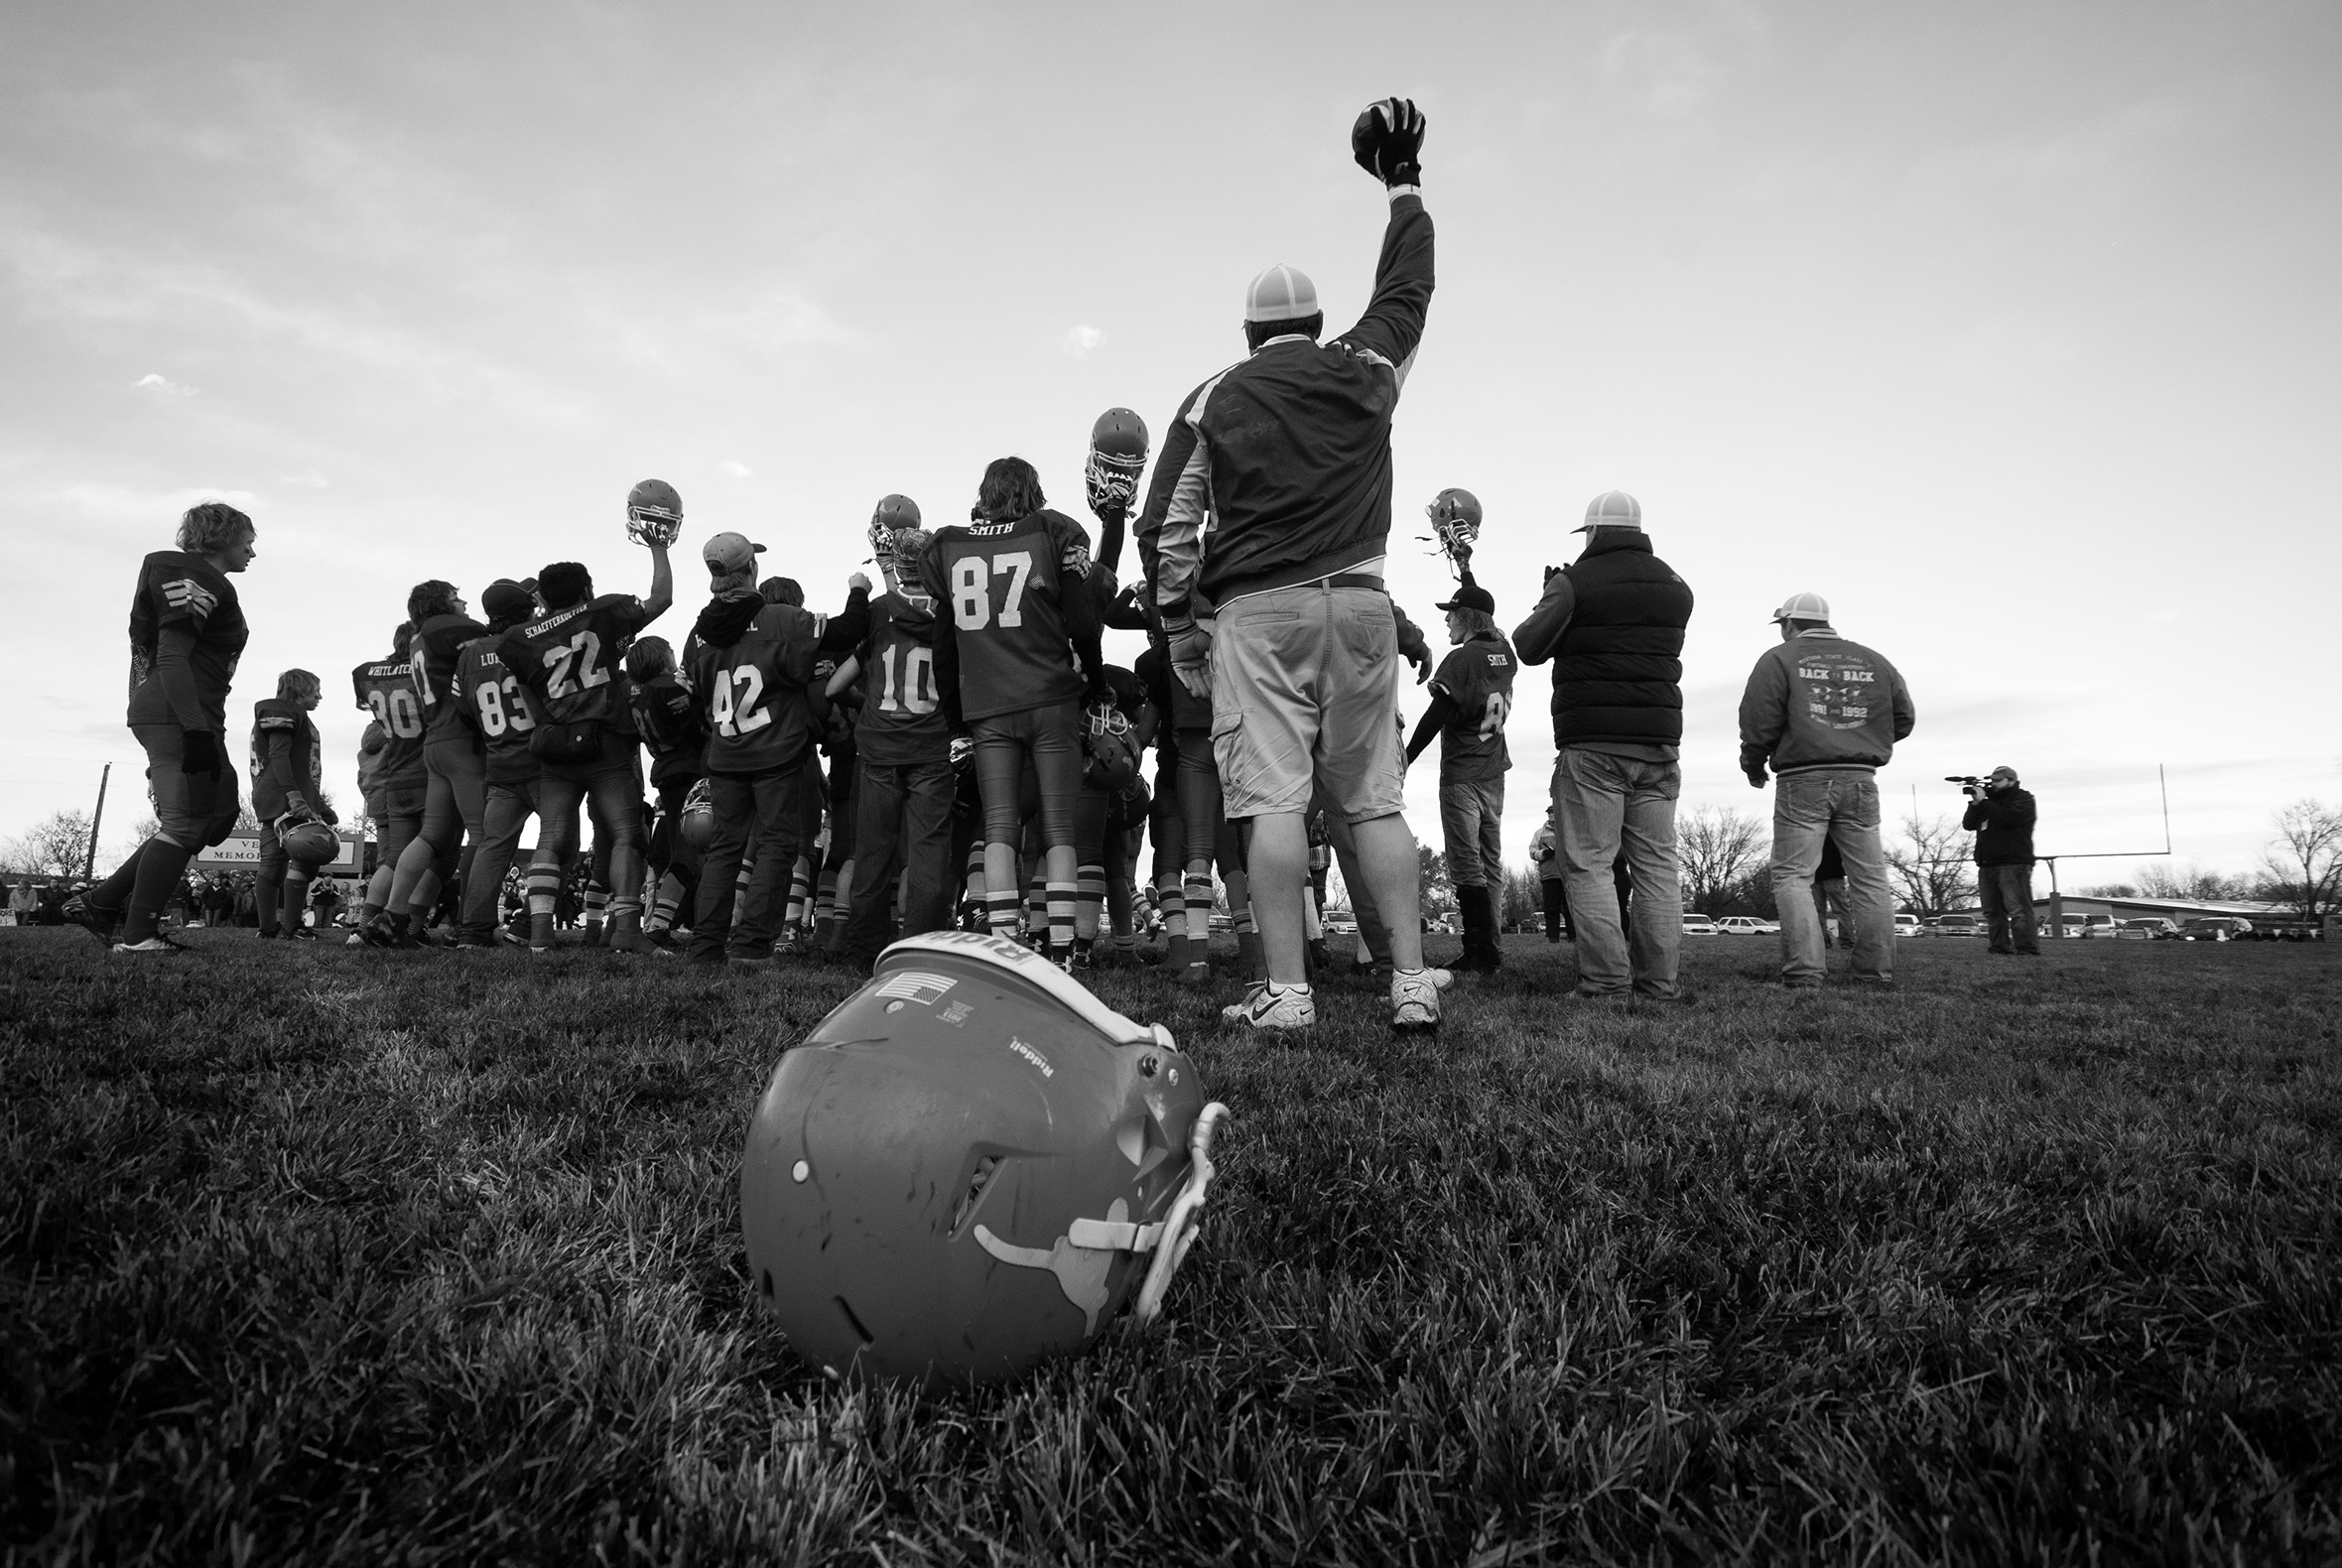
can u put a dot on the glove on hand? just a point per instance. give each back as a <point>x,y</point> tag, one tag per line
<point>1189,648</point>
<point>199,751</point>
<point>1756,778</point>
<point>1387,141</point>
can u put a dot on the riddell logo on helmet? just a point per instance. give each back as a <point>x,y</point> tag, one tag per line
<point>1032,1056</point>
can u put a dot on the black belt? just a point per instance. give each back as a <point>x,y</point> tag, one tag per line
<point>1354,579</point>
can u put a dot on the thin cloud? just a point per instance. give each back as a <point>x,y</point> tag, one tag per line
<point>1078,340</point>
<point>738,470</point>
<point>155,381</point>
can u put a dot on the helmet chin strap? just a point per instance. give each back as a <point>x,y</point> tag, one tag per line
<point>1184,1220</point>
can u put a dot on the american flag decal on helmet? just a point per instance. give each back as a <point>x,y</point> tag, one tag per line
<point>917,985</point>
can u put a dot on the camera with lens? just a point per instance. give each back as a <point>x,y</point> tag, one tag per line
<point>1969,782</point>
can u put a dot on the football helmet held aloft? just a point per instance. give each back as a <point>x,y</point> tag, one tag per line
<point>1117,456</point>
<point>892,516</point>
<point>1455,525</point>
<point>654,513</point>
<point>696,826</point>
<point>971,1166</point>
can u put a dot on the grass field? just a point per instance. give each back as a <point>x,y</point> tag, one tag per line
<point>320,1256</point>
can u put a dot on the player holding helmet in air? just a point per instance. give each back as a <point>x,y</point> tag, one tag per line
<point>904,749</point>
<point>569,659</point>
<point>288,792</point>
<point>1471,699</point>
<point>1016,650</point>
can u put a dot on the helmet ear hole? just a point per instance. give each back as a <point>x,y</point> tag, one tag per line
<point>979,1181</point>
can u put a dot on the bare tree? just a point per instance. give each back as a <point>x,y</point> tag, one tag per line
<point>56,845</point>
<point>1716,847</point>
<point>2304,859</point>
<point>2191,881</point>
<point>1930,866</point>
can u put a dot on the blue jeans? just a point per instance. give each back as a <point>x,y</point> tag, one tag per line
<point>2007,895</point>
<point>1809,808</point>
<point>1601,805</point>
<point>1471,821</point>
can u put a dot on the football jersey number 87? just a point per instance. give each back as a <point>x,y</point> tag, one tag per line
<point>972,599</point>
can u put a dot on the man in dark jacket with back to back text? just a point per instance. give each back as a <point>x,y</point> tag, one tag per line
<point>1613,624</point>
<point>2001,814</point>
<point>1825,713</point>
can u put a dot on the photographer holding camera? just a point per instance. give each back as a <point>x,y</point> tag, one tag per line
<point>2001,814</point>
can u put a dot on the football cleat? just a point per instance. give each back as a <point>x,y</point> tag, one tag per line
<point>971,1167</point>
<point>1414,999</point>
<point>158,943</point>
<point>654,513</point>
<point>1117,456</point>
<point>100,923</point>
<point>1269,1007</point>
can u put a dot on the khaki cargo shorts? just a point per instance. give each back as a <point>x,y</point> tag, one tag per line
<point>1305,695</point>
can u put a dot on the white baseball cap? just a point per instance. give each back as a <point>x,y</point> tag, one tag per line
<point>1280,293</point>
<point>1613,509</point>
<point>1804,606</point>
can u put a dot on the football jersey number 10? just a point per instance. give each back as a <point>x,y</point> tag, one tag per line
<point>972,589</point>
<point>914,691</point>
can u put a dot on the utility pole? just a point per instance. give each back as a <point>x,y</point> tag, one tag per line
<point>97,820</point>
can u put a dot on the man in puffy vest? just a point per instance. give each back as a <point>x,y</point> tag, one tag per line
<point>1613,622</point>
<point>1826,714</point>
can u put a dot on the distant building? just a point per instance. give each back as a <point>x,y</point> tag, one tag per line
<point>2176,910</point>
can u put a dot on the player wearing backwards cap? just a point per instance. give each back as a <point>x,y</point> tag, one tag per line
<point>1826,714</point>
<point>288,789</point>
<point>495,705</point>
<point>748,662</point>
<point>569,659</point>
<point>1016,649</point>
<point>1471,699</point>
<point>1613,624</point>
<point>455,787</point>
<point>385,688</point>
<point>1289,454</point>
<point>187,633</point>
<point>904,752</point>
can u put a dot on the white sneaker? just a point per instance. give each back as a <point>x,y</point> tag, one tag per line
<point>1414,998</point>
<point>1280,1007</point>
<point>158,943</point>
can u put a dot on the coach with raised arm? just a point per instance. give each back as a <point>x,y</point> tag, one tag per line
<point>1289,451</point>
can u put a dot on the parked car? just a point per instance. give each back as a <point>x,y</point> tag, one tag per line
<point>1748,926</point>
<point>2215,928</point>
<point>2098,925</point>
<point>1958,926</point>
<point>1341,923</point>
<point>1699,926</point>
<point>2069,926</point>
<point>1909,926</point>
<point>2152,928</point>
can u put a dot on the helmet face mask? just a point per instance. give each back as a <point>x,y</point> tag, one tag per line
<point>971,1166</point>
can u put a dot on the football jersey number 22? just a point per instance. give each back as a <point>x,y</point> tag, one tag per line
<point>972,589</point>
<point>584,649</point>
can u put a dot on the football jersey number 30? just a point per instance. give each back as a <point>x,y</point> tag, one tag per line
<point>394,711</point>
<point>972,589</point>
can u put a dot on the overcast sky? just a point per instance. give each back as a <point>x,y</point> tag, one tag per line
<point>2010,328</point>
